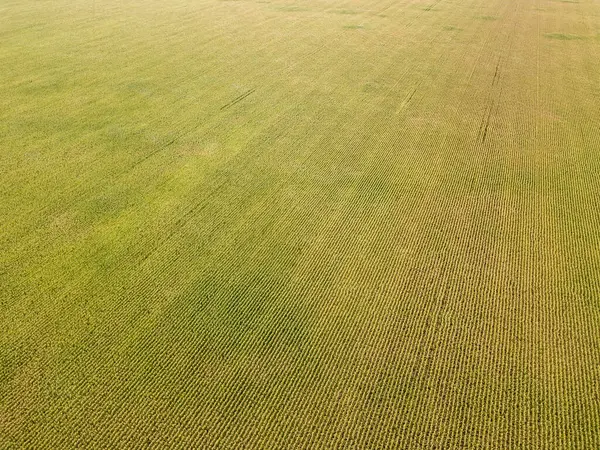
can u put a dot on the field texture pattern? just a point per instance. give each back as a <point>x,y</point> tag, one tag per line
<point>300,224</point>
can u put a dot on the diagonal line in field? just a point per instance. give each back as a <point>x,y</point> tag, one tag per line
<point>238,99</point>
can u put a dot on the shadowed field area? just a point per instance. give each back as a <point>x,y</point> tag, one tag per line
<point>310,224</point>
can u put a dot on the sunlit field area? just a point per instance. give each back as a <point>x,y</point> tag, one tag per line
<point>300,224</point>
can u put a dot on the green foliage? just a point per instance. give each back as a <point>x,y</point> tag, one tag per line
<point>229,224</point>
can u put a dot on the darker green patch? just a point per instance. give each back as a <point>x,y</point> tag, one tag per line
<point>563,36</point>
<point>451,28</point>
<point>140,88</point>
<point>353,27</point>
<point>487,17</point>
<point>371,86</point>
<point>102,207</point>
<point>567,1</point>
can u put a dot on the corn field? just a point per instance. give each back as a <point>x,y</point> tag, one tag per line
<point>300,224</point>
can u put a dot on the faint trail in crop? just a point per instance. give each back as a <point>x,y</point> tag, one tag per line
<point>485,122</point>
<point>496,73</point>
<point>184,219</point>
<point>238,99</point>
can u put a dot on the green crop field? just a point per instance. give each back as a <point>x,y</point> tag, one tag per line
<point>300,224</point>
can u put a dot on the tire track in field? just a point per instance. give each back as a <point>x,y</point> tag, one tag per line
<point>238,99</point>
<point>495,92</point>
